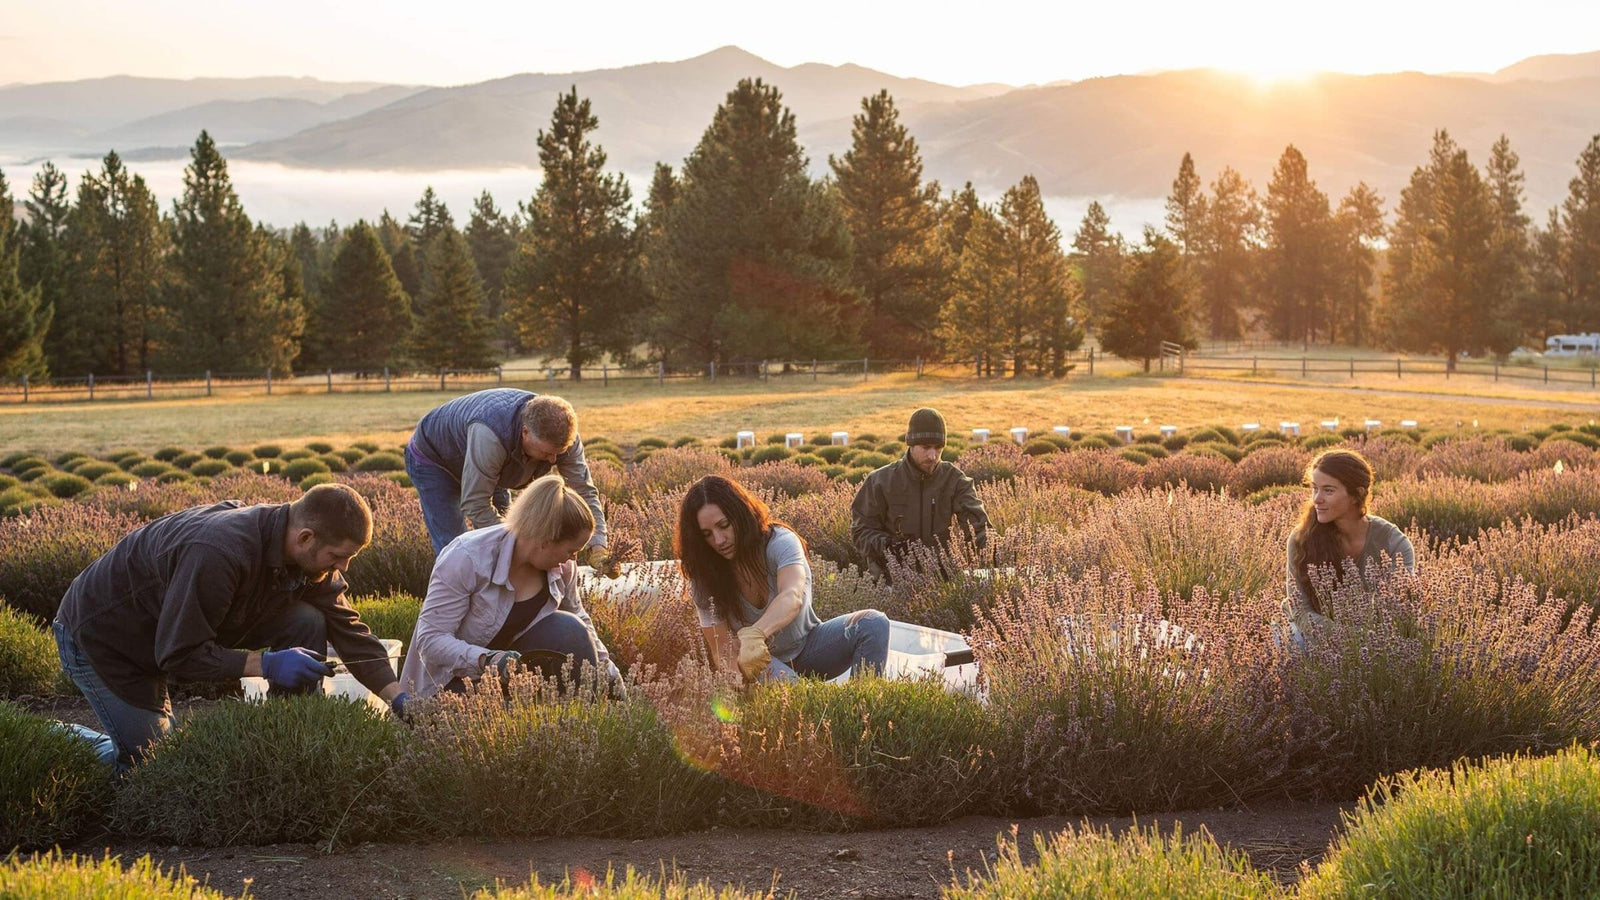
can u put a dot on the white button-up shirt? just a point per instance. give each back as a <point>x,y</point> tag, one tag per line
<point>469,599</point>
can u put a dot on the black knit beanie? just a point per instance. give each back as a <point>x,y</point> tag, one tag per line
<point>927,427</point>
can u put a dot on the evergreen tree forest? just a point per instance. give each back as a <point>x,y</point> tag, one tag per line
<point>743,252</point>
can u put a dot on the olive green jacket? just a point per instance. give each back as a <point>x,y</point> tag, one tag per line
<point>898,504</point>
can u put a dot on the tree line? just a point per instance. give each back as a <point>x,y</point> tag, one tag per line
<point>739,254</point>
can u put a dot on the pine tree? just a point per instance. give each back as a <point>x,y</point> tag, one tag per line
<point>956,217</point>
<point>228,309</point>
<point>43,258</point>
<point>1186,208</point>
<point>1440,296</point>
<point>1152,306</point>
<point>1097,254</point>
<point>430,219</point>
<point>494,243</point>
<point>755,258</point>
<point>1295,274</point>
<point>402,253</point>
<point>365,319</point>
<point>24,319</point>
<point>452,333</point>
<point>116,247</point>
<point>1511,264</point>
<point>893,220</point>
<point>972,323</point>
<point>573,288</point>
<point>1580,229</point>
<point>1357,229</point>
<point>1039,304</point>
<point>1227,242</point>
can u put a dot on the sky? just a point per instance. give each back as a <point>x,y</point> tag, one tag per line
<point>1012,42</point>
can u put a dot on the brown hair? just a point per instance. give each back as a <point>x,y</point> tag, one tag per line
<point>335,513</point>
<point>1317,543</point>
<point>549,512</point>
<point>752,526</point>
<point>550,418</point>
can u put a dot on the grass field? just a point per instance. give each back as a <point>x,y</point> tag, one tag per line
<point>627,411</point>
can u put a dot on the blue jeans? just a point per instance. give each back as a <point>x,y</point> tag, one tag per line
<point>858,641</point>
<point>129,729</point>
<point>547,645</point>
<point>440,494</point>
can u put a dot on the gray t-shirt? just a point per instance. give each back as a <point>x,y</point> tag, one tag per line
<point>1384,540</point>
<point>783,549</point>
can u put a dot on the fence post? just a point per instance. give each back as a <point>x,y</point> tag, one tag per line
<point>387,384</point>
<point>24,388</point>
<point>661,374</point>
<point>149,385</point>
<point>330,380</point>
<point>91,385</point>
<point>208,382</point>
<point>269,382</point>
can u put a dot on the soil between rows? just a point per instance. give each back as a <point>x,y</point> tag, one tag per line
<point>899,863</point>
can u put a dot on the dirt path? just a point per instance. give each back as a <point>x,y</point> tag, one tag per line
<point>905,863</point>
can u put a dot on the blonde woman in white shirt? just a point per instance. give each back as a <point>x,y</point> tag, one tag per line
<point>509,593</point>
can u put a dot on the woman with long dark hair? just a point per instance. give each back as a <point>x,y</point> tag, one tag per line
<point>752,589</point>
<point>1335,526</point>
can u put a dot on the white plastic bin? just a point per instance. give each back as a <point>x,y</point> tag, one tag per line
<point>340,684</point>
<point>916,651</point>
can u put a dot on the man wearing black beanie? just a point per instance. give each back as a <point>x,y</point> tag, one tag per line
<point>915,498</point>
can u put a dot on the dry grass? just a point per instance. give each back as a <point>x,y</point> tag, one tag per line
<point>626,411</point>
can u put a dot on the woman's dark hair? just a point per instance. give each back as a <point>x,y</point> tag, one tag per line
<point>1317,543</point>
<point>752,525</point>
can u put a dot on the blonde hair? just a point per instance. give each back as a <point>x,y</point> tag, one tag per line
<point>549,512</point>
<point>550,418</point>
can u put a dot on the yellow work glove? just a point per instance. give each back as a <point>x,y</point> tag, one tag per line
<point>753,653</point>
<point>600,559</point>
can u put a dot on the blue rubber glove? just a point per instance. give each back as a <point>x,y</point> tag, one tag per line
<point>294,668</point>
<point>398,704</point>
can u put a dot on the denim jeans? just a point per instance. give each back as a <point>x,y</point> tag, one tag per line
<point>440,494</point>
<point>858,641</point>
<point>546,645</point>
<point>129,729</point>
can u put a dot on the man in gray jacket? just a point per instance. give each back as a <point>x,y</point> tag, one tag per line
<point>916,498</point>
<point>468,455</point>
<point>212,593</point>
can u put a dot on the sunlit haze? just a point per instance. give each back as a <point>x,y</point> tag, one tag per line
<point>1009,41</point>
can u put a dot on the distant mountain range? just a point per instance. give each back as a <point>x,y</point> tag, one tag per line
<point>1117,136</point>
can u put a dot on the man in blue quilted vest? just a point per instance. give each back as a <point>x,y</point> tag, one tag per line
<point>468,455</point>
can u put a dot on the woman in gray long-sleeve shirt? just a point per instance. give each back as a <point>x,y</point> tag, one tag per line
<point>1334,527</point>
